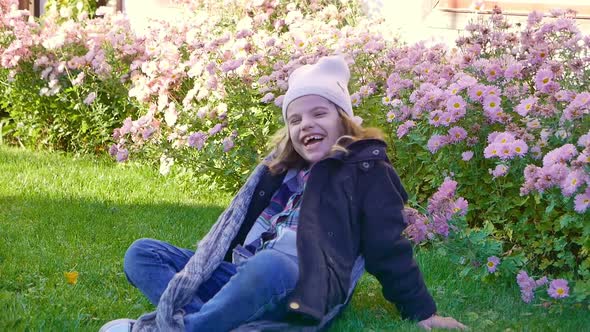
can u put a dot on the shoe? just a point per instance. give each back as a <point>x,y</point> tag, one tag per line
<point>118,325</point>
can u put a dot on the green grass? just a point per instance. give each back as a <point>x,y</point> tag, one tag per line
<point>60,213</point>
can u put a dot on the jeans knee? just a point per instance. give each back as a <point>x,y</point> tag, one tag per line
<point>134,255</point>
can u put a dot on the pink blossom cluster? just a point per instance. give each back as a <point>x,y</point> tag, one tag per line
<point>66,49</point>
<point>558,288</point>
<point>269,41</point>
<point>505,145</point>
<point>528,285</point>
<point>443,206</point>
<point>564,168</point>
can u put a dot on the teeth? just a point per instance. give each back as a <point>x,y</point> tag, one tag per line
<point>309,138</point>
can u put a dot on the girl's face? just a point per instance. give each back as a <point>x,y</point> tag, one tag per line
<point>314,127</point>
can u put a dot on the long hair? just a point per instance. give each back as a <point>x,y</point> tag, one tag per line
<point>284,154</point>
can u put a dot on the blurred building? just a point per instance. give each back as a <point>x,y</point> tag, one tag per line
<point>413,20</point>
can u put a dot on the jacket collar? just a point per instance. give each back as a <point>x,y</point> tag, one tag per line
<point>362,150</point>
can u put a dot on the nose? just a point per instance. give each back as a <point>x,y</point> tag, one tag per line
<point>306,122</point>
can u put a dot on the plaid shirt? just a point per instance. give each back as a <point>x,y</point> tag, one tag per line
<point>281,217</point>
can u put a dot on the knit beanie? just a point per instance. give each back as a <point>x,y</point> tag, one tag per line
<point>327,78</point>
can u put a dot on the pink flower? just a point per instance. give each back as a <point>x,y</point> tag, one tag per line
<point>90,98</point>
<point>477,92</point>
<point>518,147</point>
<point>197,140</point>
<point>492,150</point>
<point>122,155</point>
<point>527,286</point>
<point>461,206</point>
<point>526,105</point>
<point>543,78</point>
<point>573,181</point>
<point>436,118</point>
<point>499,171</point>
<point>417,229</point>
<point>582,201</point>
<point>584,140</point>
<point>435,143</point>
<point>560,155</point>
<point>457,134</point>
<point>456,104</point>
<point>467,155</point>
<point>514,70</point>
<point>267,98</point>
<point>492,264</point>
<point>558,289</point>
<point>355,98</point>
<point>492,104</point>
<point>228,144</point>
<point>493,72</point>
<point>390,116</point>
<point>404,128</point>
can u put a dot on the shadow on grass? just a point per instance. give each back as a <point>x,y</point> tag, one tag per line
<point>41,238</point>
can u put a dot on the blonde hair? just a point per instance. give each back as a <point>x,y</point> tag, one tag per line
<point>285,156</point>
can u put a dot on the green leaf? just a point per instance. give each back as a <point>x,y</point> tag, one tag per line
<point>565,220</point>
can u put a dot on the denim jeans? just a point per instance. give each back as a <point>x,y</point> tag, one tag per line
<point>254,290</point>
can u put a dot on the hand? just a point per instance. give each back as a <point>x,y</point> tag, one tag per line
<point>441,322</point>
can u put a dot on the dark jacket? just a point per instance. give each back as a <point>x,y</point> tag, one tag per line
<point>352,205</point>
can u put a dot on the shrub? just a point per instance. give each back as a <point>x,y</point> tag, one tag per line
<point>66,79</point>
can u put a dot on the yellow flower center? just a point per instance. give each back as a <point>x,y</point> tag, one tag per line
<point>492,104</point>
<point>528,106</point>
<point>560,291</point>
<point>456,105</point>
<point>494,152</point>
<point>574,181</point>
<point>546,80</point>
<point>517,149</point>
<point>436,118</point>
<point>479,93</point>
<point>492,72</point>
<point>491,264</point>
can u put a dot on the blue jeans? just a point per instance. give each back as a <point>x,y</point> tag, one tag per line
<point>255,290</point>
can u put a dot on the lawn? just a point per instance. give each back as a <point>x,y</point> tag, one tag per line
<point>63,213</point>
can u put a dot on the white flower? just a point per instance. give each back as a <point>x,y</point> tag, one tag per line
<point>165,164</point>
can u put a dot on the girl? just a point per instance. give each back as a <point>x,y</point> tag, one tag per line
<point>288,251</point>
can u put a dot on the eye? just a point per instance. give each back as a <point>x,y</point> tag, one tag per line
<point>294,121</point>
<point>320,114</point>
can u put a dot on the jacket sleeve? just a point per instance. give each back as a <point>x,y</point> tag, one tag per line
<point>388,254</point>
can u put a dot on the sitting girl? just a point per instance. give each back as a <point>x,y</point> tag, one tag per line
<point>288,251</point>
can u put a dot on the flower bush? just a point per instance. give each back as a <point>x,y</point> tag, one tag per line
<point>491,138</point>
<point>506,115</point>
<point>66,76</point>
<point>213,80</point>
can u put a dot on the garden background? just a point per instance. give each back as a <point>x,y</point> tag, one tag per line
<point>109,135</point>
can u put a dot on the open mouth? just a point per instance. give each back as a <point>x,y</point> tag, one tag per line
<point>311,140</point>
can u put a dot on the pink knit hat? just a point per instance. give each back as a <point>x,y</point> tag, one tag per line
<point>327,78</point>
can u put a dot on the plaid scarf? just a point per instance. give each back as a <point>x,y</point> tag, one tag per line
<point>209,254</point>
